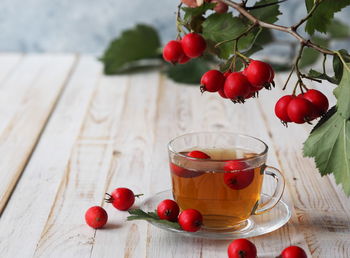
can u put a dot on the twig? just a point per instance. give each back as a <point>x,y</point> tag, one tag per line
<point>289,30</point>
<point>313,9</point>
<point>289,76</point>
<point>263,5</point>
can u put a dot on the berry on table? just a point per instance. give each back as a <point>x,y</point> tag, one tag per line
<point>241,248</point>
<point>212,81</point>
<point>173,52</point>
<point>193,45</point>
<point>190,220</point>
<point>168,210</point>
<point>96,217</point>
<point>293,252</point>
<point>122,198</point>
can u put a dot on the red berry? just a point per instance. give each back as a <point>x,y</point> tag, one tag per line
<point>300,110</point>
<point>281,108</point>
<point>184,59</point>
<point>222,93</point>
<point>121,198</point>
<point>220,7</point>
<point>258,73</point>
<point>238,178</point>
<point>236,86</point>
<point>190,220</point>
<point>318,99</point>
<point>182,172</point>
<point>168,210</point>
<point>212,81</point>
<point>293,252</point>
<point>198,155</point>
<point>172,51</point>
<point>241,248</point>
<point>227,73</point>
<point>96,217</point>
<point>193,45</point>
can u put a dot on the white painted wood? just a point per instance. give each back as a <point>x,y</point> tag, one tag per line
<point>27,99</point>
<point>25,216</point>
<point>8,62</point>
<point>113,132</point>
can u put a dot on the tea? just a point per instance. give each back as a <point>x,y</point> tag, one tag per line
<point>225,199</point>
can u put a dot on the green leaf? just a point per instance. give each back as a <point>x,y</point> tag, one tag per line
<point>338,30</point>
<point>338,65</point>
<point>220,27</point>
<point>267,14</point>
<point>310,55</point>
<point>322,76</point>
<point>189,73</point>
<point>191,12</point>
<point>126,48</point>
<point>323,14</point>
<point>342,93</point>
<point>138,214</point>
<point>329,145</point>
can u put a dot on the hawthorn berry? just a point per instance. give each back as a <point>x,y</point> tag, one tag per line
<point>168,210</point>
<point>293,252</point>
<point>300,110</point>
<point>173,52</point>
<point>220,7</point>
<point>240,248</point>
<point>198,155</point>
<point>182,172</point>
<point>190,220</point>
<point>184,59</point>
<point>193,45</point>
<point>96,217</point>
<point>318,99</point>
<point>237,177</point>
<point>121,198</point>
<point>281,108</point>
<point>222,93</point>
<point>258,73</point>
<point>212,81</point>
<point>237,86</point>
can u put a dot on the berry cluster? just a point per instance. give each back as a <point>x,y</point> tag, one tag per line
<point>302,108</point>
<point>239,86</point>
<point>244,248</point>
<point>219,7</point>
<point>192,45</point>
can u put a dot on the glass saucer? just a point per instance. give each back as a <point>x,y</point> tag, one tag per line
<point>256,225</point>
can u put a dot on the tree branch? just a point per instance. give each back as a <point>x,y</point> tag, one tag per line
<point>289,30</point>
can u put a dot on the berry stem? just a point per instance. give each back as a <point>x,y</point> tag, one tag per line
<point>138,195</point>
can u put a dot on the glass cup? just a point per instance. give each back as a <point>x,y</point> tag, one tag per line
<point>226,189</point>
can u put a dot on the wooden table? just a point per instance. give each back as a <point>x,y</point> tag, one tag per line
<point>69,134</point>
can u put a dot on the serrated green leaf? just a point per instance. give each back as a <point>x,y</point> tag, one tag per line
<point>191,12</point>
<point>220,27</point>
<point>322,76</point>
<point>329,145</point>
<point>323,14</point>
<point>338,29</point>
<point>338,65</point>
<point>189,73</point>
<point>126,48</point>
<point>267,14</point>
<point>138,214</point>
<point>342,93</point>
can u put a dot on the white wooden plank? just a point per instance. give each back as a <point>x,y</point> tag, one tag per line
<point>26,214</point>
<point>28,99</point>
<point>8,63</point>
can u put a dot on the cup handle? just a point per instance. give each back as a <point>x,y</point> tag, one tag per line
<point>280,183</point>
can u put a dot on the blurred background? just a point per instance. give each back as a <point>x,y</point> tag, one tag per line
<point>87,26</point>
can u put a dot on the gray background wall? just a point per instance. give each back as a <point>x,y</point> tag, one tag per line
<point>87,26</point>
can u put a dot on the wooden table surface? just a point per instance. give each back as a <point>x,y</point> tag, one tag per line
<point>69,134</point>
